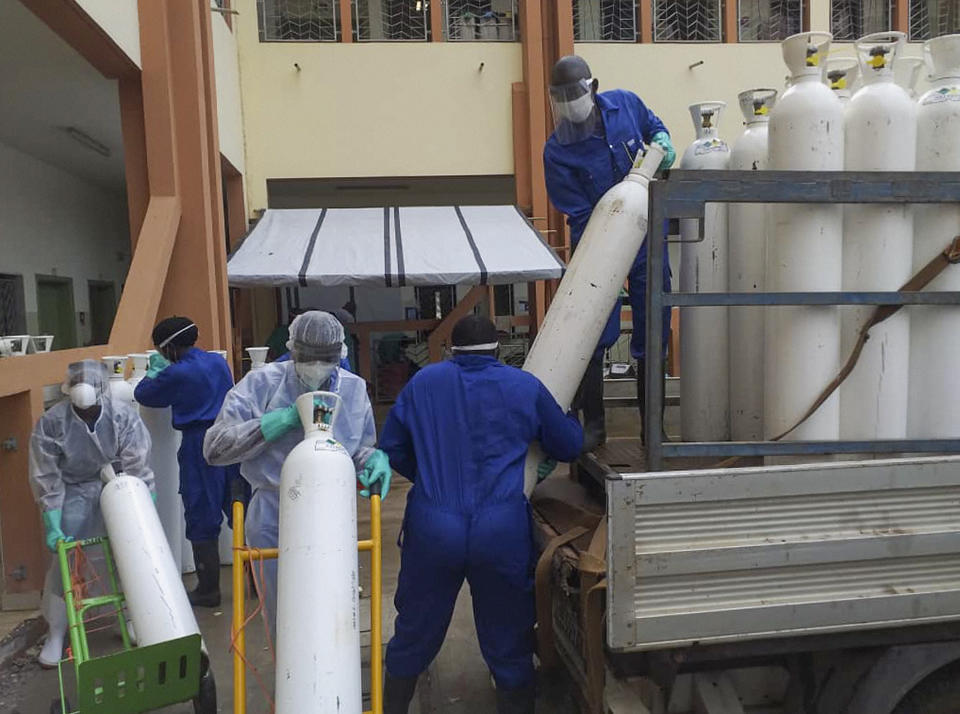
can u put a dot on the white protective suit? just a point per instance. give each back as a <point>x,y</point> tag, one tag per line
<point>236,437</point>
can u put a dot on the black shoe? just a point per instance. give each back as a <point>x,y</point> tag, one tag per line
<point>397,694</point>
<point>516,701</point>
<point>206,556</point>
<point>590,401</point>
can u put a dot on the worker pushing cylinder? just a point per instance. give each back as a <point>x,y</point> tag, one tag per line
<point>154,592</point>
<point>318,631</point>
<point>589,288</point>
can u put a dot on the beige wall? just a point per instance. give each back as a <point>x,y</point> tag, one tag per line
<point>374,109</point>
<point>120,20</point>
<point>230,115</point>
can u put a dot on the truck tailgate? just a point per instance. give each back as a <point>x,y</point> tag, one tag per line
<point>738,554</point>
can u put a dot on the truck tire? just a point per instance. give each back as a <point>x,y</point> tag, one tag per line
<point>937,694</point>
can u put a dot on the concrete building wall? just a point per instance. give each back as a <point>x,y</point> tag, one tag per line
<point>374,109</point>
<point>229,112</point>
<point>120,20</point>
<point>53,223</point>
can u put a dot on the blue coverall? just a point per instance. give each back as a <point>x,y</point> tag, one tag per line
<point>194,388</point>
<point>578,175</point>
<point>460,431</point>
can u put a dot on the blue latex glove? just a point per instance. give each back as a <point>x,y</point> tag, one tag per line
<point>545,468</point>
<point>275,424</point>
<point>377,468</point>
<point>662,138</point>
<point>156,364</point>
<point>54,533</point>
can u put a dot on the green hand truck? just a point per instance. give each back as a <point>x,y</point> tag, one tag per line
<point>135,679</point>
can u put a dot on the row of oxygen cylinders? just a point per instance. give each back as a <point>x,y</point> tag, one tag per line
<point>750,373</point>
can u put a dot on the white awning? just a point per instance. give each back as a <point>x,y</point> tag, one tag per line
<point>392,247</point>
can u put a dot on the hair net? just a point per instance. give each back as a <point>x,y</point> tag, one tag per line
<point>88,371</point>
<point>474,334</point>
<point>176,331</point>
<point>315,336</point>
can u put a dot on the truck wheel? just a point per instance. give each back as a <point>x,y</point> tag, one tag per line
<point>58,707</point>
<point>937,694</point>
<point>206,700</point>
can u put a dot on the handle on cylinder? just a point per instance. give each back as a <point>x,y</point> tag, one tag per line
<point>107,473</point>
<point>651,160</point>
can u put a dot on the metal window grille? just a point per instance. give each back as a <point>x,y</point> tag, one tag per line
<point>481,20</point>
<point>298,20</point>
<point>932,18</point>
<point>605,20</point>
<point>686,21</point>
<point>436,303</point>
<point>769,20</point>
<point>390,20</point>
<point>852,19</point>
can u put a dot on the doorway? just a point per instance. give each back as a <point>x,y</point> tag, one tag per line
<point>13,316</point>
<point>55,313</point>
<point>103,309</point>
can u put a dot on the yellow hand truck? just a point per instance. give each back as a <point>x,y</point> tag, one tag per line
<point>243,554</point>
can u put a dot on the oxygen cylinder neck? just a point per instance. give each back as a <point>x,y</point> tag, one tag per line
<point>646,166</point>
<point>755,105</point>
<point>805,53</point>
<point>140,362</point>
<point>258,356</point>
<point>706,118</point>
<point>117,367</point>
<point>878,53</point>
<point>318,411</point>
<point>942,56</point>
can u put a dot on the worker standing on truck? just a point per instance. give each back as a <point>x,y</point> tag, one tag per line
<point>259,426</point>
<point>71,442</point>
<point>193,383</point>
<point>596,140</point>
<point>460,431</point>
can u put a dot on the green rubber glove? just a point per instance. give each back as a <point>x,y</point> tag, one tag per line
<point>156,364</point>
<point>545,468</point>
<point>54,533</point>
<point>377,468</point>
<point>662,138</point>
<point>275,424</point>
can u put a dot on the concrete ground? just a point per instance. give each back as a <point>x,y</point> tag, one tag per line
<point>458,682</point>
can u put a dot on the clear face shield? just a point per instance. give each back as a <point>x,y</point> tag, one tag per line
<point>574,111</point>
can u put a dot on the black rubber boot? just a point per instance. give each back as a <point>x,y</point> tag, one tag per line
<point>397,694</point>
<point>206,556</point>
<point>516,701</point>
<point>642,399</point>
<point>590,400</point>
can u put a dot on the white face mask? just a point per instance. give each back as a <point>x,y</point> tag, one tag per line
<point>578,110</point>
<point>83,395</point>
<point>314,374</point>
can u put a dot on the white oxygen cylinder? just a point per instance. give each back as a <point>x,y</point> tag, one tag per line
<point>746,235</point>
<point>804,249</point>
<point>117,367</point>
<point>841,75</point>
<point>880,135</point>
<point>165,443</point>
<point>704,370</point>
<point>934,403</point>
<point>589,289</point>
<point>318,630</point>
<point>225,542</point>
<point>258,356</point>
<point>155,597</point>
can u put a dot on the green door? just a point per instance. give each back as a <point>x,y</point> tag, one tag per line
<point>103,308</point>
<point>55,311</point>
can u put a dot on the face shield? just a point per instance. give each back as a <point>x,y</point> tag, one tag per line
<point>86,383</point>
<point>574,111</point>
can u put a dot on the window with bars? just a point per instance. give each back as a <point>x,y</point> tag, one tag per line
<point>932,18</point>
<point>769,20</point>
<point>605,20</point>
<point>852,19</point>
<point>687,20</point>
<point>298,20</point>
<point>390,20</point>
<point>481,20</point>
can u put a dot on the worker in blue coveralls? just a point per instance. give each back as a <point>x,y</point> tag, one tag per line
<point>193,383</point>
<point>460,431</point>
<point>595,141</point>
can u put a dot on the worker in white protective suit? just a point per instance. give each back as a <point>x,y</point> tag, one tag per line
<point>71,442</point>
<point>258,426</point>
